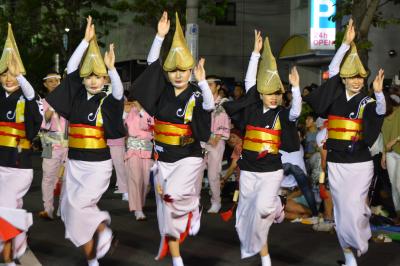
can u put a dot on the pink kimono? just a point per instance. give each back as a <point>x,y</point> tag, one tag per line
<point>117,151</point>
<point>220,125</point>
<point>51,166</point>
<point>138,156</point>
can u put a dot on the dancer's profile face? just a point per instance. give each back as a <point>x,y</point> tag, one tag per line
<point>51,83</point>
<point>272,100</point>
<point>94,84</point>
<point>179,78</point>
<point>214,87</point>
<point>354,84</point>
<point>9,82</point>
<point>233,140</point>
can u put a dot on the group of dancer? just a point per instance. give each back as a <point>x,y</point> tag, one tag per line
<point>175,128</point>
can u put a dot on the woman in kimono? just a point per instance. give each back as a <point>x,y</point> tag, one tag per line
<point>268,127</point>
<point>354,123</point>
<point>94,116</point>
<point>139,146</point>
<point>182,118</point>
<point>20,122</point>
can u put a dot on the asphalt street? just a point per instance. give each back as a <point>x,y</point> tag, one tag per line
<point>216,244</point>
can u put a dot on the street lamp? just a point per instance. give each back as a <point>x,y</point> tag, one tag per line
<point>65,38</point>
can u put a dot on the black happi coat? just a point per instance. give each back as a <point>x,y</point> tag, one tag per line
<point>70,100</point>
<point>330,99</point>
<point>10,157</point>
<point>157,96</point>
<point>249,111</point>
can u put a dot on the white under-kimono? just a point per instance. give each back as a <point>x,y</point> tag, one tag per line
<point>92,120</point>
<point>259,206</point>
<point>354,124</point>
<point>20,121</point>
<point>178,205</point>
<point>180,123</point>
<point>85,183</point>
<point>14,184</point>
<point>266,131</point>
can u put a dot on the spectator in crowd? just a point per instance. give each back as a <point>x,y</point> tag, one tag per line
<point>138,159</point>
<point>238,91</point>
<point>310,145</point>
<point>321,185</point>
<point>391,141</point>
<point>54,138</point>
<point>220,128</point>
<point>235,142</point>
<point>222,93</point>
<point>287,99</point>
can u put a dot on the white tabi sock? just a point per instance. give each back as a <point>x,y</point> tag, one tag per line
<point>266,260</point>
<point>93,262</point>
<point>349,258</point>
<point>177,261</point>
<point>10,264</point>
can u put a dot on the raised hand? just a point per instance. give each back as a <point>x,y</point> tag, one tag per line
<point>163,25</point>
<point>109,58</point>
<point>13,66</point>
<point>378,81</point>
<point>294,77</point>
<point>199,72</point>
<point>258,41</point>
<point>89,32</point>
<point>350,33</point>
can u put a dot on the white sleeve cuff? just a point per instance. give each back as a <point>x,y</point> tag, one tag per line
<point>208,99</point>
<point>251,74</point>
<point>295,109</point>
<point>26,87</point>
<point>380,103</point>
<point>155,49</point>
<point>75,60</point>
<point>334,66</point>
<point>117,88</point>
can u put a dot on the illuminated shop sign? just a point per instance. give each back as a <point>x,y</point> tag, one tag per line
<point>322,30</point>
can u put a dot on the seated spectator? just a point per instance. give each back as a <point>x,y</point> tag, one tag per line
<point>238,91</point>
<point>310,145</point>
<point>391,141</point>
<point>296,206</point>
<point>235,142</point>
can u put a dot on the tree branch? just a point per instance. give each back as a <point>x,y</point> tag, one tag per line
<point>368,17</point>
<point>384,3</point>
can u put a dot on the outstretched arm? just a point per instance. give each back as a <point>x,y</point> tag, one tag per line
<point>334,66</point>
<point>162,30</point>
<point>295,109</point>
<point>251,74</point>
<point>74,61</point>
<point>109,60</point>
<point>200,74</point>
<point>380,98</point>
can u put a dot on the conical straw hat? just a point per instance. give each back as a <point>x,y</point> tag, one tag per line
<point>93,62</point>
<point>179,56</point>
<point>268,80</point>
<point>10,47</point>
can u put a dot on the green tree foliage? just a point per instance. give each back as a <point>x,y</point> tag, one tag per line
<point>365,14</point>
<point>40,29</point>
<point>39,25</point>
<point>148,12</point>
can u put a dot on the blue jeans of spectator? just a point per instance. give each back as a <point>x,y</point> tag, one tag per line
<point>304,185</point>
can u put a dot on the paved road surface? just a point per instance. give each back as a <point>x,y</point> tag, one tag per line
<point>216,245</point>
